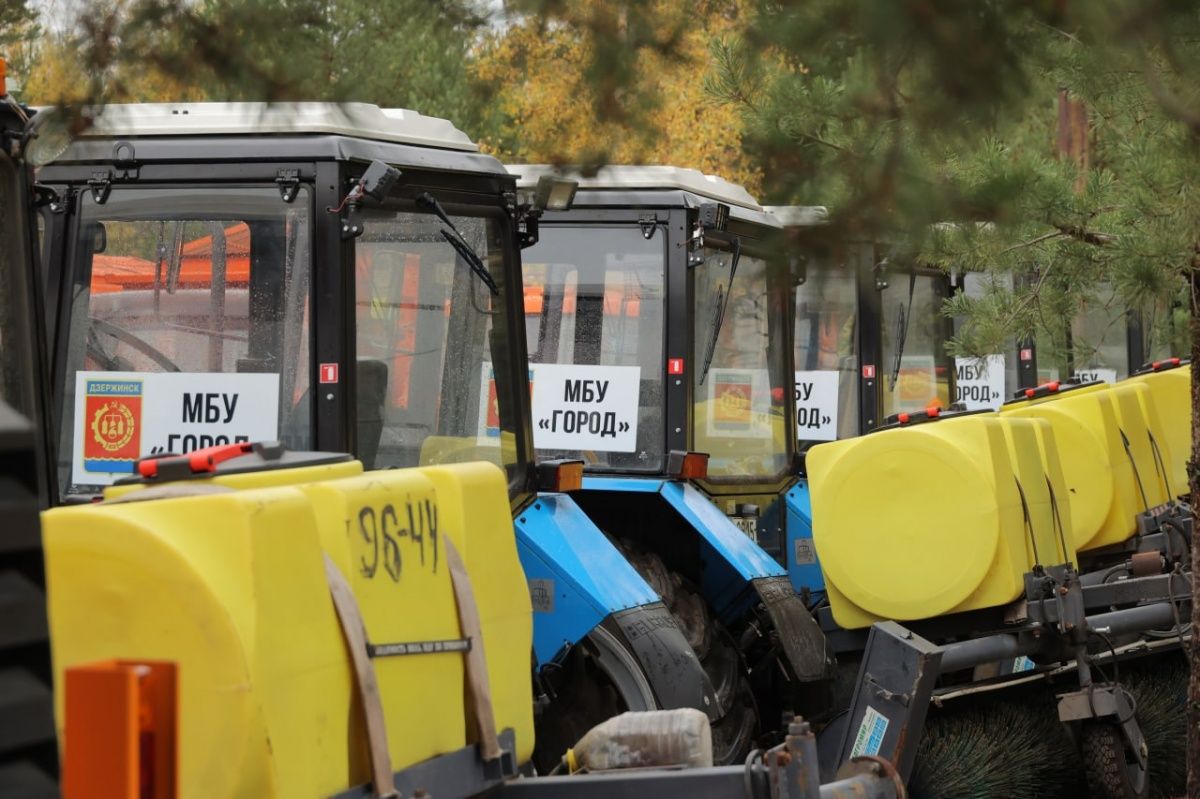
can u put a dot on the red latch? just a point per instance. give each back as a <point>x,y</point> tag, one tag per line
<point>200,461</point>
<point>206,460</point>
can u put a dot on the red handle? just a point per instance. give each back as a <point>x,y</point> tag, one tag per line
<point>199,461</point>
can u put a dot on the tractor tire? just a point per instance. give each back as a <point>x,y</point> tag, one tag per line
<point>1111,772</point>
<point>597,680</point>
<point>737,723</point>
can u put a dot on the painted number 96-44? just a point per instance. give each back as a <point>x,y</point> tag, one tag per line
<point>382,529</point>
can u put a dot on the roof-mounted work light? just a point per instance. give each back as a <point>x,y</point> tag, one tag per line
<point>714,216</point>
<point>554,193</point>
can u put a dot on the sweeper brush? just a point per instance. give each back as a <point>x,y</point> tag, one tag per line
<point>997,745</point>
<point>1011,743</point>
<point>1159,686</point>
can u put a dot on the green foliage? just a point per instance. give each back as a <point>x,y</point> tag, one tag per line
<point>901,116</point>
<point>18,22</point>
<point>406,53</point>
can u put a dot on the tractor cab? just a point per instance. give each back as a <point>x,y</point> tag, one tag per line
<point>656,308</point>
<point>1104,340</point>
<point>338,277</point>
<point>870,339</point>
<point>1107,340</point>
<point>666,288</point>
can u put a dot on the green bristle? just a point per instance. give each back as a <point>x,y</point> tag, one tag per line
<point>993,746</point>
<point>1011,743</point>
<point>1159,687</point>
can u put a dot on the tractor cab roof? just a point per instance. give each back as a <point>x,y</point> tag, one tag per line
<point>650,186</point>
<point>359,120</point>
<point>799,215</point>
<point>198,132</point>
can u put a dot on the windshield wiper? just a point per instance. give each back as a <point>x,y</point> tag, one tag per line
<point>450,233</point>
<point>902,328</point>
<point>719,311</point>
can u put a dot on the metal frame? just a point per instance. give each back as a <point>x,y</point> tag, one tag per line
<point>787,771</point>
<point>27,732</point>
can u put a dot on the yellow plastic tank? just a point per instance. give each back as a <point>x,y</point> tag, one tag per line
<point>1059,494</point>
<point>231,587</point>
<point>1099,478</point>
<point>1140,425</point>
<point>1170,394</point>
<point>916,522</point>
<point>1030,444</point>
<point>486,546</point>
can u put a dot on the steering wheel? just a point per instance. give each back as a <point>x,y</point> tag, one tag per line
<point>122,335</point>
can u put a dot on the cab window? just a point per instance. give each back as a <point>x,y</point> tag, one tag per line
<point>827,352</point>
<point>187,328</point>
<point>915,368</point>
<point>433,358</point>
<point>740,381</point>
<point>594,311</point>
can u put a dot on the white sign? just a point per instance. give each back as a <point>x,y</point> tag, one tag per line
<point>578,407</point>
<point>738,403</point>
<point>1097,373</point>
<point>817,405</point>
<point>979,382</point>
<point>123,416</point>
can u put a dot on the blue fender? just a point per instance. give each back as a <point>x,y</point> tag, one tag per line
<point>576,576</point>
<point>734,559</point>
<point>801,556</point>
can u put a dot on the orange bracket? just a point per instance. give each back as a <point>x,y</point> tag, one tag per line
<point>121,731</point>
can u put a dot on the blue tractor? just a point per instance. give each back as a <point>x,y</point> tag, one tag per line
<point>656,308</point>
<point>344,278</point>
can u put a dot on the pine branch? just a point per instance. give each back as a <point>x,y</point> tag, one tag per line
<point>1087,236</point>
<point>1054,234</point>
<point>1168,100</point>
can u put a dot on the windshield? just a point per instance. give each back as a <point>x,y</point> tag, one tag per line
<point>1165,331</point>
<point>826,354</point>
<point>432,343</point>
<point>985,383</point>
<point>594,317</point>
<point>1099,338</point>
<point>915,368</point>
<point>188,328</point>
<point>739,413</point>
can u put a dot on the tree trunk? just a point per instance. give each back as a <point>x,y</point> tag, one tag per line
<point>1193,705</point>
